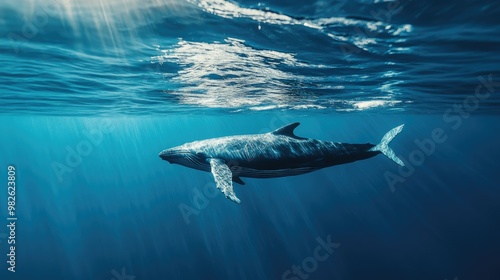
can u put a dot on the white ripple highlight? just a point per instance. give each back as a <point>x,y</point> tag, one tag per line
<point>230,74</point>
<point>230,10</point>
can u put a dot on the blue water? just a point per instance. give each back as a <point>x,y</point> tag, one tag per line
<point>91,92</point>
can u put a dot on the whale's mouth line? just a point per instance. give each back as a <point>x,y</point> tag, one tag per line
<point>178,157</point>
<point>166,155</point>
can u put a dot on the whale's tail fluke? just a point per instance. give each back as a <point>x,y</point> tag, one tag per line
<point>384,148</point>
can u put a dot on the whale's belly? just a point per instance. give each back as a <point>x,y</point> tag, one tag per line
<point>271,173</point>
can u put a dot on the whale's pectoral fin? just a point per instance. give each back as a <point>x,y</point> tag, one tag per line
<point>238,180</point>
<point>223,178</point>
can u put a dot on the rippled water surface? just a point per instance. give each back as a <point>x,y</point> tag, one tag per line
<point>126,57</point>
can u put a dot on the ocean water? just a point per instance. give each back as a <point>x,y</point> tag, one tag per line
<point>91,92</point>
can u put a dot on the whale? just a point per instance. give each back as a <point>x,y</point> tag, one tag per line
<point>278,153</point>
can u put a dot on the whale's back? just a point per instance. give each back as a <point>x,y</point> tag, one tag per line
<point>269,151</point>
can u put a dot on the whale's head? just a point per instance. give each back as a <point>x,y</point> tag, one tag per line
<point>175,155</point>
<point>185,156</point>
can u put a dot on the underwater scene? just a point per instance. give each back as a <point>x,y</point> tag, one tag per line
<point>221,139</point>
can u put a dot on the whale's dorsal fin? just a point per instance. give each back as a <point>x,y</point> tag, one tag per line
<point>287,130</point>
<point>223,178</point>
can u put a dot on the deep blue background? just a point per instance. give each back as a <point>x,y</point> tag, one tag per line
<point>120,206</point>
